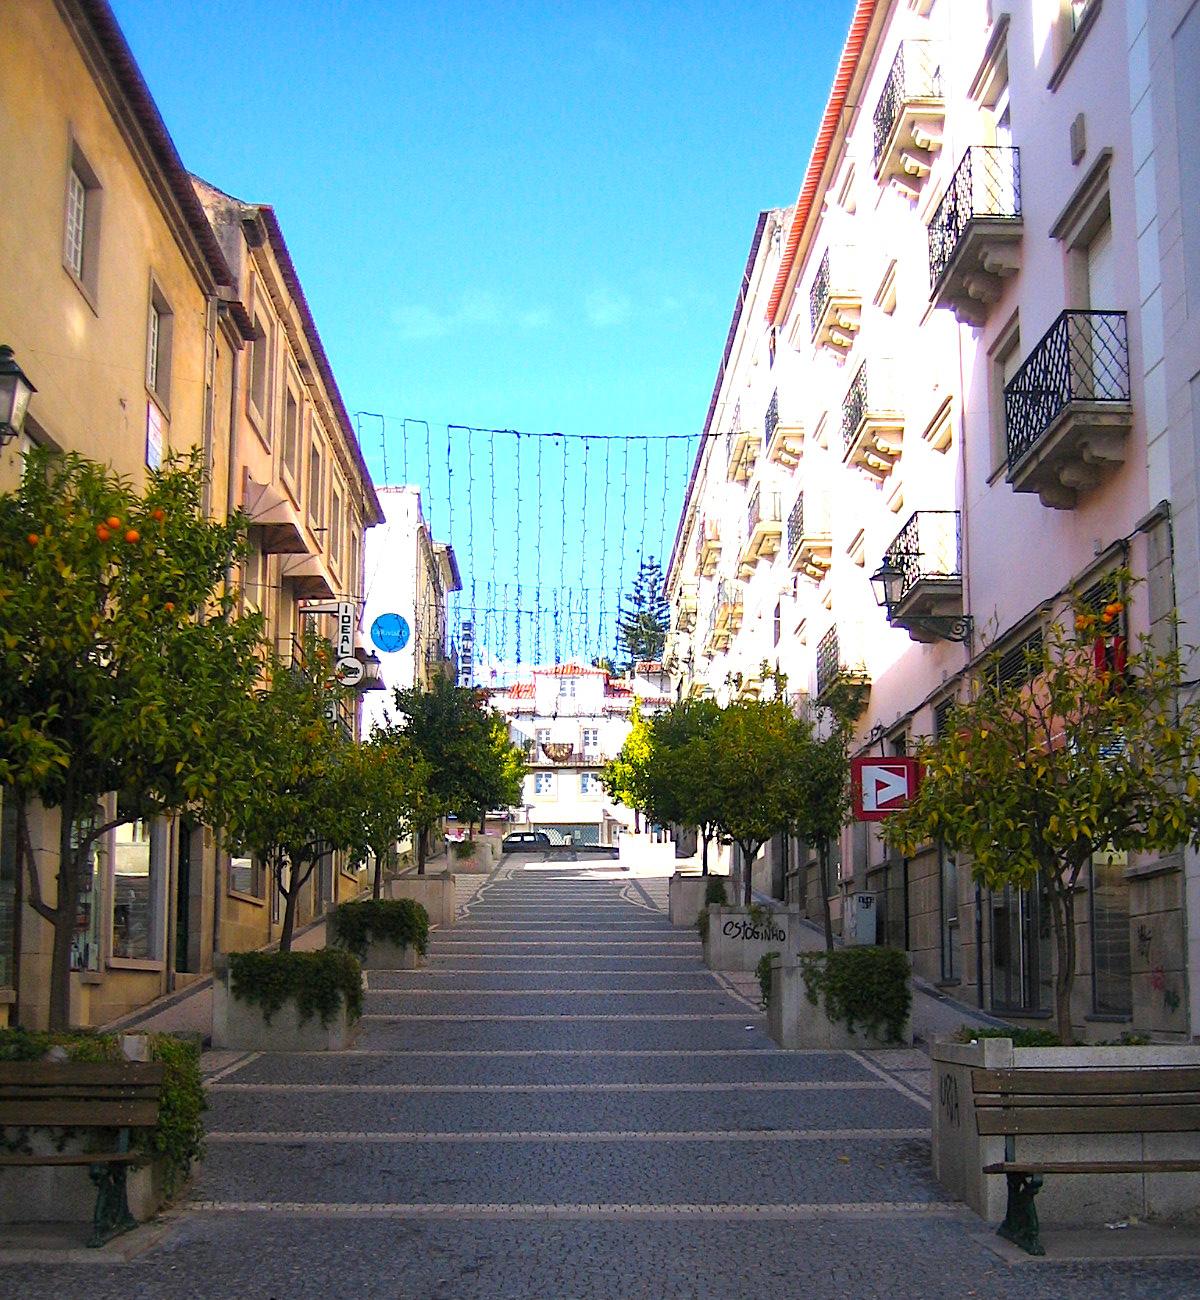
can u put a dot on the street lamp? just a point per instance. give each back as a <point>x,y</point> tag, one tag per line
<point>888,584</point>
<point>891,584</point>
<point>15,392</point>
<point>374,674</point>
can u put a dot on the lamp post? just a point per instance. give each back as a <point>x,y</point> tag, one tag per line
<point>889,583</point>
<point>15,392</point>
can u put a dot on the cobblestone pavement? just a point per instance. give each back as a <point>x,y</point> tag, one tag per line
<point>564,1103</point>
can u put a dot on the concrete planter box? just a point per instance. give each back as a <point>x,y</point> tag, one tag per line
<point>959,1153</point>
<point>241,1026</point>
<point>736,942</point>
<point>434,893</point>
<point>687,896</point>
<point>480,861</point>
<point>793,1021</point>
<point>391,956</point>
<point>68,1195</point>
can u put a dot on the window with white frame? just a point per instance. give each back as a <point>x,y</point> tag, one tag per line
<point>139,878</point>
<point>159,330</point>
<point>566,688</point>
<point>591,740</point>
<point>246,876</point>
<point>354,577</point>
<point>258,393</point>
<point>81,223</point>
<point>291,434</point>
<point>543,783</point>
<point>543,736</point>
<point>589,783</point>
<point>335,525</point>
<point>316,484</point>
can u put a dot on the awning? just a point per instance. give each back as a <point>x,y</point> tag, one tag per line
<point>308,577</point>
<point>268,510</point>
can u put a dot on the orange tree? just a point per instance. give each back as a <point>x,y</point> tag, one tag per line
<point>1030,780</point>
<point>624,777</point>
<point>675,781</point>
<point>388,778</point>
<point>123,668</point>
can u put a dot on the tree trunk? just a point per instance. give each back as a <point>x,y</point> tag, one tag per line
<point>421,852</point>
<point>377,886</point>
<point>289,915</point>
<point>69,859</point>
<point>823,872</point>
<point>747,873</point>
<point>703,852</point>
<point>1062,908</point>
<point>637,822</point>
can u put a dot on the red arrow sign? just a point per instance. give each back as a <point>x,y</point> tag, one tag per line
<point>882,786</point>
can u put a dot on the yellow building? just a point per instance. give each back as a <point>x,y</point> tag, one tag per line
<point>142,335</point>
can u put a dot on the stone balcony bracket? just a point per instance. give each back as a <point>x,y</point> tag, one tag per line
<point>786,447</point>
<point>1085,443</point>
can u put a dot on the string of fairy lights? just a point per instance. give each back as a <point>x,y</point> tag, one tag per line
<point>549,529</point>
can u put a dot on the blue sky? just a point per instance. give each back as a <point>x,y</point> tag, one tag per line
<point>530,217</point>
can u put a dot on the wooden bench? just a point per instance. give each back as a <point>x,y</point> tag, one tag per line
<point>1059,1102</point>
<point>112,1098</point>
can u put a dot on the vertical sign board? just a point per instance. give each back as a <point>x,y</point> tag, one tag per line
<point>881,786</point>
<point>466,654</point>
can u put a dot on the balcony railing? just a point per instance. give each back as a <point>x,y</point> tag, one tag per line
<point>928,549</point>
<point>771,419</point>
<point>764,507</point>
<point>986,187</point>
<point>854,407</point>
<point>1082,358</point>
<point>818,295</point>
<point>796,525</point>
<point>829,662</point>
<point>916,75</point>
<point>840,664</point>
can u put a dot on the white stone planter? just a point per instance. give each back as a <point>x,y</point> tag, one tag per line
<point>959,1153</point>
<point>241,1026</point>
<point>793,1021</point>
<point>391,956</point>
<point>736,941</point>
<point>687,896</point>
<point>434,893</point>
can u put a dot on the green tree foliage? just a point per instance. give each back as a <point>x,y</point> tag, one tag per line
<point>644,617</point>
<point>625,777</point>
<point>304,804</point>
<point>388,778</point>
<point>123,668</point>
<point>676,782</point>
<point>1030,780</point>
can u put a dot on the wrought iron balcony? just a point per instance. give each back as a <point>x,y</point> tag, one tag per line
<point>725,617</point>
<point>810,547</point>
<point>975,232</point>
<point>872,426</point>
<point>909,117</point>
<point>834,302</point>
<point>837,668</point>
<point>921,577</point>
<point>708,547</point>
<point>1067,409</point>
<point>686,617</point>
<point>784,439</point>
<point>764,527</point>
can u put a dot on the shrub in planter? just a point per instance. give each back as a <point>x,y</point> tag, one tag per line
<point>464,850</point>
<point>398,921</point>
<point>320,983</point>
<point>178,1138</point>
<point>867,989</point>
<point>763,972</point>
<point>714,892</point>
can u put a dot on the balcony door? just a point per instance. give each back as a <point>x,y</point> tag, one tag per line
<point>1095,353</point>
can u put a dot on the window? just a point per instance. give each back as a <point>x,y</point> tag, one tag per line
<point>335,526</point>
<point>589,783</point>
<point>543,736</point>
<point>1005,360</point>
<point>1079,10</point>
<point>316,484</point>
<point>8,885</point>
<point>591,740</point>
<point>159,329</point>
<point>246,876</point>
<point>776,624</point>
<point>139,862</point>
<point>81,224</point>
<point>948,877</point>
<point>1020,663</point>
<point>291,435</point>
<point>1021,962</point>
<point>566,688</point>
<point>85,941</point>
<point>259,394</point>
<point>353,578</point>
<point>1112,992</point>
<point>543,783</point>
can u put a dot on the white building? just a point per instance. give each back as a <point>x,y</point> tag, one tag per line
<point>571,719</point>
<point>409,578</point>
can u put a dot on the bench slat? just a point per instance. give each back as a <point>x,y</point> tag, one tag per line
<point>50,1073</point>
<point>88,1158</point>
<point>79,1113</point>
<point>1031,1102</point>
<point>1094,1167</point>
<point>1149,1079</point>
<point>101,1092</point>
<point>1036,1120</point>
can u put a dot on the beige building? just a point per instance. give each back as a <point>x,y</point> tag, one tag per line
<point>141,335</point>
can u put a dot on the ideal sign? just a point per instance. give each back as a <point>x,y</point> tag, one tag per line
<point>882,786</point>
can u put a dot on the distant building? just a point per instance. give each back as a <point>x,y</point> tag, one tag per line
<point>409,578</point>
<point>570,720</point>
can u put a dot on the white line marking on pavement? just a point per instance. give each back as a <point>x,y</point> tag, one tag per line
<point>570,993</point>
<point>476,1210</point>
<point>244,1059</point>
<point>901,1088</point>
<point>430,969</point>
<point>436,1016</point>
<point>807,1085</point>
<point>410,1053</point>
<point>265,1138</point>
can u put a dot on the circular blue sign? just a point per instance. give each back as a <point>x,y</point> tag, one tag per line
<point>390,632</point>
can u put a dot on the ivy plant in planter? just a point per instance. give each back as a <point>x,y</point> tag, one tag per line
<point>464,850</point>
<point>320,983</point>
<point>763,972</point>
<point>863,988</point>
<point>398,921</point>
<point>178,1137</point>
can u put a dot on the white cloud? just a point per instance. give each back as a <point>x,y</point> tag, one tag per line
<point>605,307</point>
<point>475,309</point>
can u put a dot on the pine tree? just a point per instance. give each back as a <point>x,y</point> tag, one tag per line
<point>643,619</point>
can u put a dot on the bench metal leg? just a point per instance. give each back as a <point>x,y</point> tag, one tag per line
<point>1020,1224</point>
<point>111,1216</point>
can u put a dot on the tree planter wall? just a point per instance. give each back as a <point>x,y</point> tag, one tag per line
<point>243,1026</point>
<point>737,939</point>
<point>392,956</point>
<point>959,1153</point>
<point>794,1021</point>
<point>434,893</point>
<point>687,896</point>
<point>68,1195</point>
